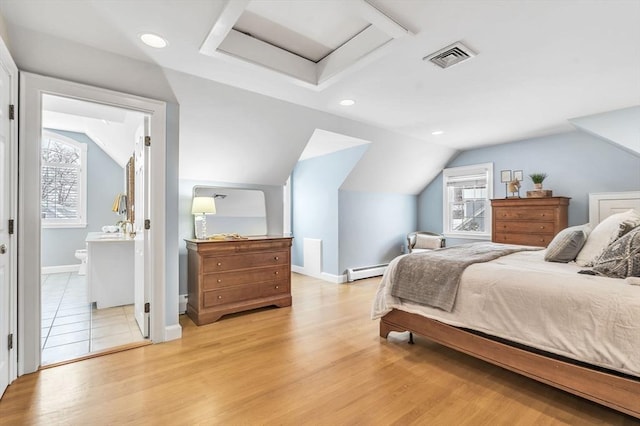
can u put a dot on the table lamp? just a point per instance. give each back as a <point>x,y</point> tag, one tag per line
<point>200,208</point>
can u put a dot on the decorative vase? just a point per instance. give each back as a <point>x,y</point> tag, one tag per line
<point>537,186</point>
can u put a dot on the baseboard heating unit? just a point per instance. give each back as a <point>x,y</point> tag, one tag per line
<point>366,272</point>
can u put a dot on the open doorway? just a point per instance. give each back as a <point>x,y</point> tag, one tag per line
<point>92,204</point>
<point>152,229</point>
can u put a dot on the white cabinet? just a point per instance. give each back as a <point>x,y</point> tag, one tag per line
<point>110,269</point>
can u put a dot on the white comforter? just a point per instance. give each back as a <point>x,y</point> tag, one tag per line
<point>548,306</point>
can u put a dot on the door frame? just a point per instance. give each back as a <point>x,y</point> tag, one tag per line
<point>32,87</point>
<point>10,65</point>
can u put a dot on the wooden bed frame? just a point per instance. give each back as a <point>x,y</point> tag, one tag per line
<point>619,392</point>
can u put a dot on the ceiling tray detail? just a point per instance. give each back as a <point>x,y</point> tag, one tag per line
<point>313,45</point>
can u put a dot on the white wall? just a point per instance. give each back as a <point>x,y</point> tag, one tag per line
<point>621,127</point>
<point>233,135</point>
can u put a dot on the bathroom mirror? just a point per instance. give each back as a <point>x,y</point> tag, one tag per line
<point>238,211</point>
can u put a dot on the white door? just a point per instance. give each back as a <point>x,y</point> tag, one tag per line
<point>142,243</point>
<point>7,182</point>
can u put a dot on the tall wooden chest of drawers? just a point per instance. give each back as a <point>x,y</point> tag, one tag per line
<point>528,221</point>
<point>237,275</point>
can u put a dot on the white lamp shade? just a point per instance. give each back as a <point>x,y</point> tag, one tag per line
<point>203,205</point>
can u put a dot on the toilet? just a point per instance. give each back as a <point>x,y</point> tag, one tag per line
<point>82,256</point>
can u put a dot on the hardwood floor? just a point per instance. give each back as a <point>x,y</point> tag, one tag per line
<point>318,362</point>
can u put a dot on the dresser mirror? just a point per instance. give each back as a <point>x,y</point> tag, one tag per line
<point>238,211</point>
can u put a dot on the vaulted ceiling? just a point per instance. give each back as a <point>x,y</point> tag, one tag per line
<point>538,64</point>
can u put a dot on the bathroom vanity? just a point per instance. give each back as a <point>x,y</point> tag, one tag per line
<point>110,269</point>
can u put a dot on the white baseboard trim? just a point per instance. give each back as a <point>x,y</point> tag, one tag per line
<point>182,303</point>
<point>60,269</point>
<point>324,276</point>
<point>172,332</point>
<point>338,279</point>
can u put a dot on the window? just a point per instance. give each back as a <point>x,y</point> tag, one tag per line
<point>466,200</point>
<point>63,182</point>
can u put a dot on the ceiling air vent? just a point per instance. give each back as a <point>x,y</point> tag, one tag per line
<point>450,55</point>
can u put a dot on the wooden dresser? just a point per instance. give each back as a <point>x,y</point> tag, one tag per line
<point>528,221</point>
<point>237,275</point>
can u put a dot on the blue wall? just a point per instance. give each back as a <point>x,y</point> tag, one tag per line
<point>314,197</point>
<point>356,228</point>
<point>576,163</point>
<point>105,179</point>
<point>374,226</point>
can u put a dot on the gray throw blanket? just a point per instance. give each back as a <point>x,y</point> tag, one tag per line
<point>432,278</point>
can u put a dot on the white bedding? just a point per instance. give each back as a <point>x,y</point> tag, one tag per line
<point>548,306</point>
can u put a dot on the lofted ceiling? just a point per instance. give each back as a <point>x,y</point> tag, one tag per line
<point>112,129</point>
<point>538,64</point>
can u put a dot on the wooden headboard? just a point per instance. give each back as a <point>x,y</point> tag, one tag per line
<point>604,204</point>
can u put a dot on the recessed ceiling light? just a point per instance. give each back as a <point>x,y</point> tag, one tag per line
<point>153,40</point>
<point>437,132</point>
<point>347,102</point>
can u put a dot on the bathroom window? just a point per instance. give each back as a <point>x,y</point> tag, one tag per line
<point>467,193</point>
<point>63,182</point>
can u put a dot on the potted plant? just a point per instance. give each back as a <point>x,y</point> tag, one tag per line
<point>537,179</point>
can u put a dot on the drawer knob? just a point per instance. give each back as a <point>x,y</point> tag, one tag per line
<point>277,287</point>
<point>276,272</point>
<point>219,264</point>
<point>219,297</point>
<point>276,258</point>
<point>219,280</point>
<point>542,227</point>
<point>542,214</point>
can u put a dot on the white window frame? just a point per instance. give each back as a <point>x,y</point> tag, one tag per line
<point>81,221</point>
<point>457,173</point>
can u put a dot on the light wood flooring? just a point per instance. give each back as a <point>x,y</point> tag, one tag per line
<point>318,362</point>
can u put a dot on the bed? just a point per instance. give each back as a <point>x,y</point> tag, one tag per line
<point>504,313</point>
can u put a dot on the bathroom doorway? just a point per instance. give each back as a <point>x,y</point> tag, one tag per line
<point>158,289</point>
<point>92,207</point>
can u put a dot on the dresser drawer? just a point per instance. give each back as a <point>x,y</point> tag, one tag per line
<point>274,288</point>
<point>230,295</point>
<point>506,213</point>
<point>251,260</point>
<point>524,227</point>
<point>227,279</point>
<point>523,239</point>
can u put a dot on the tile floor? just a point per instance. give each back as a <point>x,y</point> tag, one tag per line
<point>72,328</point>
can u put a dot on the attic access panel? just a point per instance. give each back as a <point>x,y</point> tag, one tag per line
<point>309,29</point>
<point>311,41</point>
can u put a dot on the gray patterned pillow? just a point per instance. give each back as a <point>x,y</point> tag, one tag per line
<point>566,245</point>
<point>622,258</point>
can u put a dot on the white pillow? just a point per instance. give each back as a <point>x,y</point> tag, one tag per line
<point>605,233</point>
<point>427,242</point>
